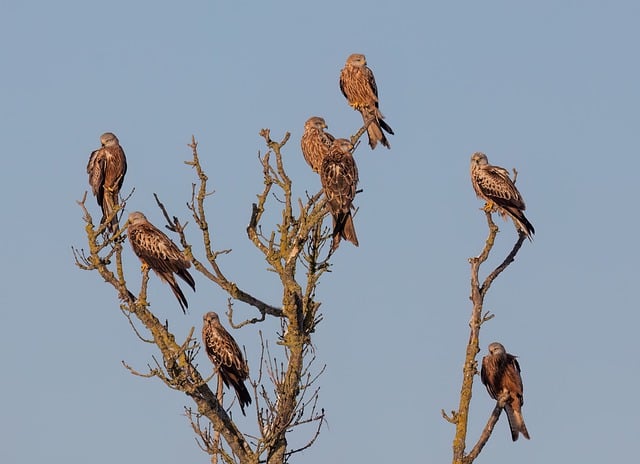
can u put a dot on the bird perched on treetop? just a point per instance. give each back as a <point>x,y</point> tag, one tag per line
<point>493,185</point>
<point>359,87</point>
<point>106,168</point>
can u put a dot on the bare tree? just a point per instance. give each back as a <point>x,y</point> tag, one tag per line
<point>297,250</point>
<point>460,418</point>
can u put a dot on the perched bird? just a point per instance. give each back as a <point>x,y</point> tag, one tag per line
<point>339,177</point>
<point>315,142</point>
<point>359,87</point>
<point>158,252</point>
<point>493,185</point>
<point>501,375</point>
<point>106,168</point>
<point>225,354</point>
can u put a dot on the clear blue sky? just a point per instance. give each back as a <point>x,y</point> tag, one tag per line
<point>550,88</point>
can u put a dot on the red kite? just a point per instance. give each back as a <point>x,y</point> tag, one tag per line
<point>315,142</point>
<point>501,375</point>
<point>225,354</point>
<point>339,177</point>
<point>107,167</point>
<point>493,185</point>
<point>359,87</point>
<point>158,252</point>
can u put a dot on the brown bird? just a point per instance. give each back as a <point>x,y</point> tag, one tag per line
<point>315,142</point>
<point>359,87</point>
<point>501,375</point>
<point>106,168</point>
<point>158,252</point>
<point>493,185</point>
<point>339,177</point>
<point>225,354</point>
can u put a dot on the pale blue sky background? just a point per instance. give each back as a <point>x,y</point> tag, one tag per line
<point>549,87</point>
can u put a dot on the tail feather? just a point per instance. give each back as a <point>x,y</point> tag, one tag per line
<point>348,230</point>
<point>522,223</point>
<point>385,126</point>
<point>187,277</point>
<point>343,228</point>
<point>177,291</point>
<point>108,205</point>
<point>375,124</point>
<point>516,423</point>
<point>376,135</point>
<point>244,398</point>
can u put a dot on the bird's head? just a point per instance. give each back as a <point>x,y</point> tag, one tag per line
<point>211,316</point>
<point>496,348</point>
<point>341,146</point>
<point>479,159</point>
<point>316,122</point>
<point>136,218</point>
<point>109,139</point>
<point>357,59</point>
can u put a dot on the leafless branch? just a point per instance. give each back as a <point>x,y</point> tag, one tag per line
<point>470,368</point>
<point>298,236</point>
<point>486,433</point>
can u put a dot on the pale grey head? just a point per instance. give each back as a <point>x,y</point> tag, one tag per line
<point>479,159</point>
<point>342,145</point>
<point>357,59</point>
<point>109,139</point>
<point>136,218</point>
<point>496,348</point>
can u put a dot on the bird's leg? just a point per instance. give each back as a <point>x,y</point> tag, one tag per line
<point>489,206</point>
<point>144,267</point>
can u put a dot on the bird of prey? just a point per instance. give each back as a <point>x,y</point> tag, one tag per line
<point>493,185</point>
<point>501,375</point>
<point>158,252</point>
<point>106,168</point>
<point>339,177</point>
<point>315,142</point>
<point>359,87</point>
<point>225,354</point>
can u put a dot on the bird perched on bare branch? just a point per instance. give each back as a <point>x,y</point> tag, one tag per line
<point>225,354</point>
<point>339,177</point>
<point>493,185</point>
<point>158,252</point>
<point>359,87</point>
<point>501,375</point>
<point>106,168</point>
<point>315,142</point>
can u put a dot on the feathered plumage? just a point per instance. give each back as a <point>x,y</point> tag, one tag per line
<point>493,185</point>
<point>359,87</point>
<point>500,373</point>
<point>315,142</point>
<point>339,177</point>
<point>225,354</point>
<point>106,168</point>
<point>159,253</point>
